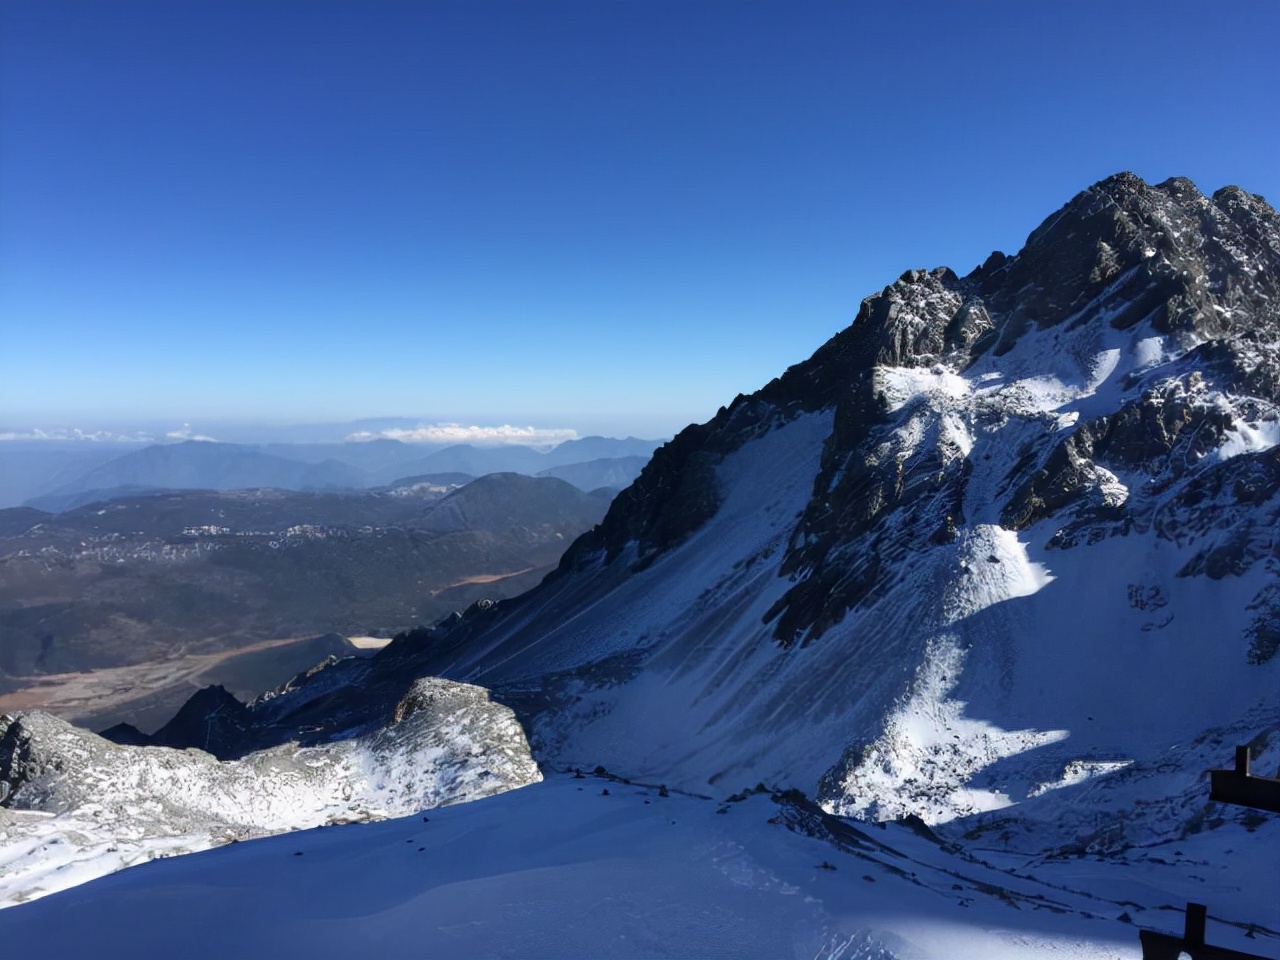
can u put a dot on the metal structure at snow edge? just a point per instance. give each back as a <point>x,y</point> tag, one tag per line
<point>1241,788</point>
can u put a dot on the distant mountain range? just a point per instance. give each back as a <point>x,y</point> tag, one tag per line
<point>70,476</point>
<point>33,468</point>
<point>196,465</point>
<point>608,472</point>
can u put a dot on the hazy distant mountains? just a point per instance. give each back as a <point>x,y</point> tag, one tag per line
<point>609,472</point>
<point>71,475</point>
<point>31,468</point>
<point>209,466</point>
<point>200,561</point>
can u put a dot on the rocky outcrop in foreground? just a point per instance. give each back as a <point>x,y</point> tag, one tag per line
<point>448,743</point>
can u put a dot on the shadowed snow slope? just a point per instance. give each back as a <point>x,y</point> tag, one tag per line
<point>599,868</point>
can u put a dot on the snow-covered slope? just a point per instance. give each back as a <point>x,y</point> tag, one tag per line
<point>83,806</point>
<point>1004,548</point>
<point>599,868</point>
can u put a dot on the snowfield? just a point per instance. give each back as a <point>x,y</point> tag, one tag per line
<point>560,869</point>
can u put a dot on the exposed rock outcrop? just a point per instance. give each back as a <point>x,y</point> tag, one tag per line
<point>450,743</point>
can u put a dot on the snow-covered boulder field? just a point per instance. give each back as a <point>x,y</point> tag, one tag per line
<point>80,806</point>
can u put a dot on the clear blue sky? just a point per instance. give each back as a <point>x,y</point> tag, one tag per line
<point>609,216</point>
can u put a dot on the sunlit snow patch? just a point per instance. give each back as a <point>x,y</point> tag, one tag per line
<point>1246,437</point>
<point>900,385</point>
<point>1078,771</point>
<point>925,761</point>
<point>1149,352</point>
<point>996,568</point>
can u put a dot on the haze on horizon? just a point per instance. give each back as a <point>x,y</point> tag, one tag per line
<point>573,217</point>
<point>418,432</point>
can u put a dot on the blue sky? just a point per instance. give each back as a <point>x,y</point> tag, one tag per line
<point>607,216</point>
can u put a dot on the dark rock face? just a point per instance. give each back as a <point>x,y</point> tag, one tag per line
<point>212,720</point>
<point>1234,511</point>
<point>1164,253</point>
<point>1264,641</point>
<point>675,493</point>
<point>125,734</point>
<point>1162,433</point>
<point>1120,253</point>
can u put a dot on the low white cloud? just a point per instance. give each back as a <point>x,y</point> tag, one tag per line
<point>186,434</point>
<point>461,433</point>
<point>75,433</point>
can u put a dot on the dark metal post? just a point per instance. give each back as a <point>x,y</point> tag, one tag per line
<point>1239,787</point>
<point>1193,933</point>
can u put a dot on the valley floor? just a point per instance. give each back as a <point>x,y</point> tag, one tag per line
<point>598,867</point>
<point>148,694</point>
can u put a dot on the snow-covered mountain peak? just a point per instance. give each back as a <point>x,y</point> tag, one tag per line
<point>1000,556</point>
<point>1057,475</point>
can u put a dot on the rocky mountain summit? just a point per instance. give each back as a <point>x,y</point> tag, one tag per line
<point>1005,528</point>
<point>999,559</point>
<point>1191,280</point>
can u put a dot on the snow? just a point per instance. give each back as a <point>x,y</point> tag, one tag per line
<point>368,643</point>
<point>1148,352</point>
<point>991,676</point>
<point>1248,437</point>
<point>1039,670</point>
<point>997,567</point>
<point>1079,771</point>
<point>697,618</point>
<point>930,751</point>
<point>45,854</point>
<point>1101,368</point>
<point>119,805</point>
<point>560,869</point>
<point>899,385</point>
